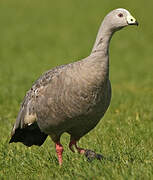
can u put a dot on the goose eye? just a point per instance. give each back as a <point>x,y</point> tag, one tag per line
<point>120,15</point>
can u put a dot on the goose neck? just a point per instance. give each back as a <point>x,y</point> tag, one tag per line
<point>103,40</point>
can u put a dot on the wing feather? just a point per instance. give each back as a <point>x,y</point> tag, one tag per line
<point>27,114</point>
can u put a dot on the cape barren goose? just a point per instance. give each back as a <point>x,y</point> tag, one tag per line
<point>71,98</point>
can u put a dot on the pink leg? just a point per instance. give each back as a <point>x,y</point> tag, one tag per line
<point>73,143</point>
<point>59,151</point>
<point>89,154</point>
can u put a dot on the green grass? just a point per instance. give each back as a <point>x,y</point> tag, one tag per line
<point>38,35</point>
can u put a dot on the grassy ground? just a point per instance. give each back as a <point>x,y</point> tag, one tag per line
<point>38,35</point>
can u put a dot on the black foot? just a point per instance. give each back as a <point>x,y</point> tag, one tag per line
<point>91,155</point>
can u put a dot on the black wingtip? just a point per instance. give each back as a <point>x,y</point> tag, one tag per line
<point>10,141</point>
<point>30,135</point>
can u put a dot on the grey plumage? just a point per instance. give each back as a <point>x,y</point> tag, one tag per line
<point>70,98</point>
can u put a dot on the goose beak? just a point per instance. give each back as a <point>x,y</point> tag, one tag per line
<point>131,20</point>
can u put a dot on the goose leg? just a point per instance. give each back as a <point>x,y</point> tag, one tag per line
<point>58,146</point>
<point>59,151</point>
<point>90,155</point>
<point>73,143</point>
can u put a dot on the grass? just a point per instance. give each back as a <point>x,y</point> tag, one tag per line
<point>36,36</point>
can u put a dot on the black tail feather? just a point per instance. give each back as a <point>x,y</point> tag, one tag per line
<point>30,135</point>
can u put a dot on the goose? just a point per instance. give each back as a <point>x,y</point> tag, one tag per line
<point>71,98</point>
